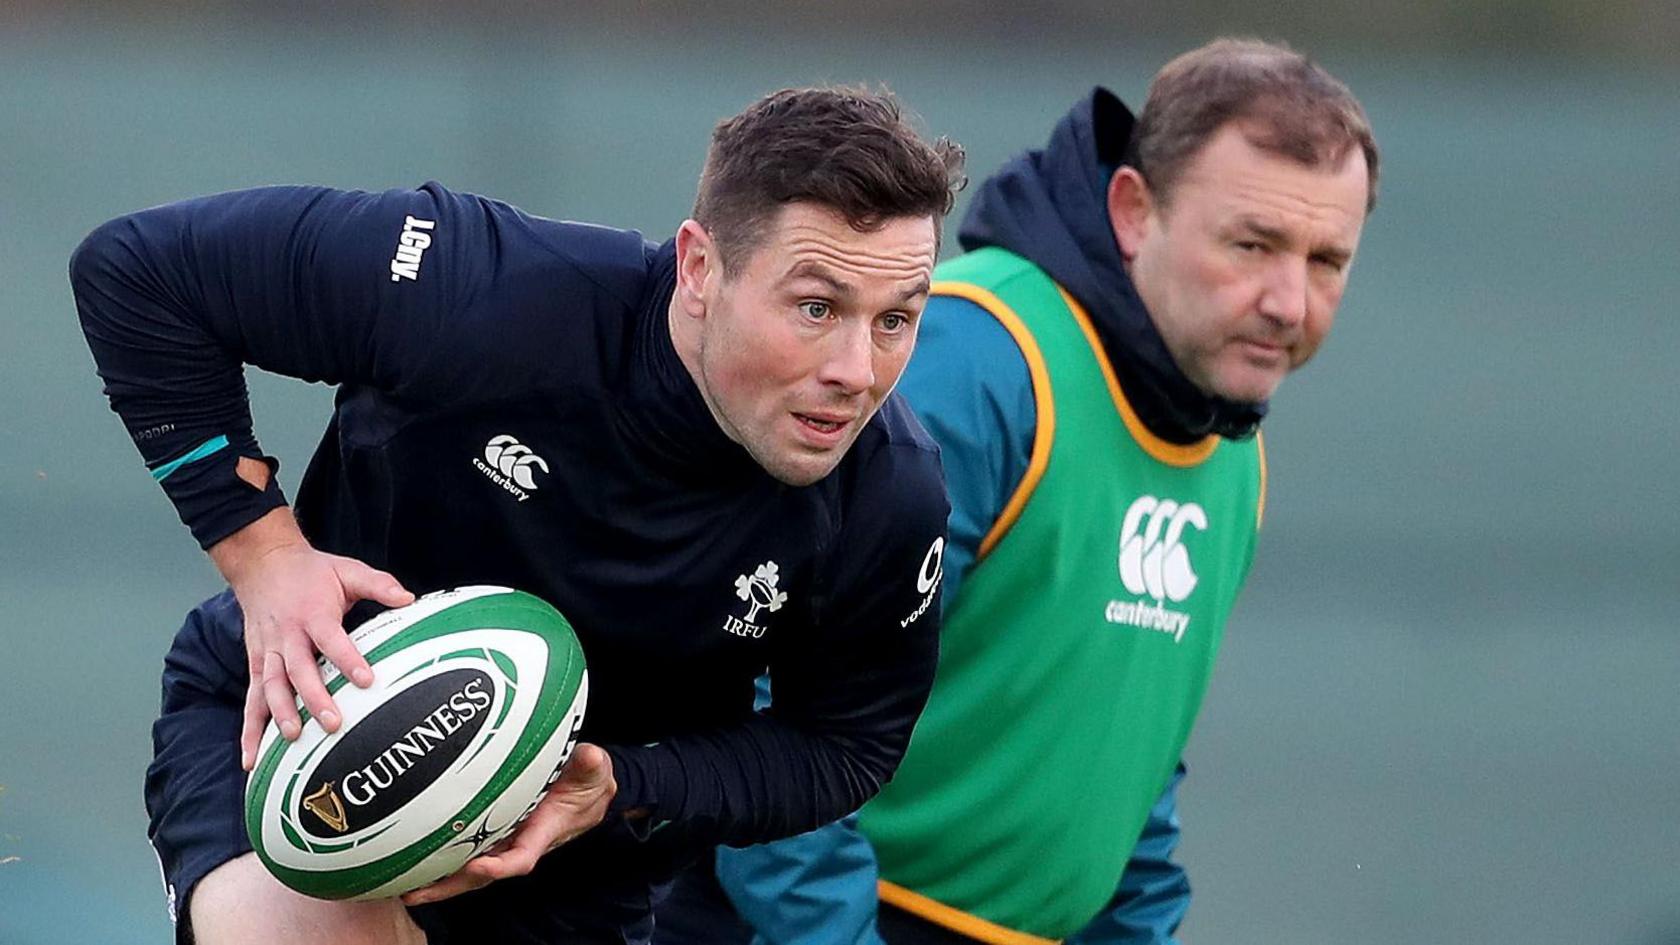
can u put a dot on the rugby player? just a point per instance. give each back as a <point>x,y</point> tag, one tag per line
<point>690,448</point>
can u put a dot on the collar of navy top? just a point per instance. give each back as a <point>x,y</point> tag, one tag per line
<point>665,412</point>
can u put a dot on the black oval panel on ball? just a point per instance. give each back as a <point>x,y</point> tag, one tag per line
<point>388,758</point>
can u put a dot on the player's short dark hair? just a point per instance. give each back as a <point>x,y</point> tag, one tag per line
<point>1287,104</point>
<point>851,150</point>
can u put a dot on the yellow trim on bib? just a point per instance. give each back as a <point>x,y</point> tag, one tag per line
<point>1046,425</point>
<point>955,919</point>
<point>1170,453</point>
<point>1260,506</point>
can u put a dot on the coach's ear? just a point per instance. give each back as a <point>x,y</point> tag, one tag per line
<point>698,268</point>
<point>1131,207</point>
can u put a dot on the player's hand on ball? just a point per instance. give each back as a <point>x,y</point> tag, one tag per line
<point>294,599</point>
<point>572,805</point>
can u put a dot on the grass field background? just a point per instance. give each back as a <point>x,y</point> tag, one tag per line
<point>1446,707</point>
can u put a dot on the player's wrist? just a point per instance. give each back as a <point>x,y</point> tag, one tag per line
<point>243,551</point>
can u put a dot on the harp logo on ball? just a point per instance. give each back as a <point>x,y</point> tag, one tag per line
<point>326,805</point>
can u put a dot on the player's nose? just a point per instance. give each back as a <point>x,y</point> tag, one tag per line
<point>849,361</point>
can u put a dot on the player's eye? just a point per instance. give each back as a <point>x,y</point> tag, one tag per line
<point>894,322</point>
<point>815,310</point>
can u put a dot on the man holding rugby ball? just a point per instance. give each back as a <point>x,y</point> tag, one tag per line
<point>691,449</point>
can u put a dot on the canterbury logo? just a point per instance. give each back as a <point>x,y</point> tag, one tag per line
<point>514,459</point>
<point>1152,560</point>
<point>326,805</point>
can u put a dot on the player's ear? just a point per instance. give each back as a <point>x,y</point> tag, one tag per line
<point>1130,204</point>
<point>698,267</point>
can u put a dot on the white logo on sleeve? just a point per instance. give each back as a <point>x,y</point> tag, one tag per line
<point>1154,561</point>
<point>927,579</point>
<point>933,567</point>
<point>511,464</point>
<point>412,244</point>
<point>761,592</point>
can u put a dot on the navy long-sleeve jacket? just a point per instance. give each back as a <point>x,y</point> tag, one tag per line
<point>511,410</point>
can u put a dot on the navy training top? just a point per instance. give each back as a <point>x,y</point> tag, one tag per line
<point>511,410</point>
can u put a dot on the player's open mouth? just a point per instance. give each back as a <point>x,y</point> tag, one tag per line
<point>819,424</point>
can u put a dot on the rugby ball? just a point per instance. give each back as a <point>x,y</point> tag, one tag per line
<point>477,699</point>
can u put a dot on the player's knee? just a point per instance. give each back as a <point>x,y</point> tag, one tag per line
<point>239,903</point>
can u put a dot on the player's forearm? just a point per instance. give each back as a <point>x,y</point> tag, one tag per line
<point>760,781</point>
<point>837,729</point>
<point>175,300</point>
<point>178,388</point>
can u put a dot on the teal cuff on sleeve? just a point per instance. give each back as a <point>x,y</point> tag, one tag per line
<point>207,448</point>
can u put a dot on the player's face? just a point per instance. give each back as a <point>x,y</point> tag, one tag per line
<point>1243,267</point>
<point>797,350</point>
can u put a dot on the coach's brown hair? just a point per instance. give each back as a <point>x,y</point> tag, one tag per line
<point>1286,103</point>
<point>849,149</point>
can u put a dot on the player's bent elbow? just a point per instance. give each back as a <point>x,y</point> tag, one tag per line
<point>93,256</point>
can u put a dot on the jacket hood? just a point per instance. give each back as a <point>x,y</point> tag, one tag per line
<point>1051,206</point>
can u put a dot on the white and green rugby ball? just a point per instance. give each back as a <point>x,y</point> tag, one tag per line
<point>477,699</point>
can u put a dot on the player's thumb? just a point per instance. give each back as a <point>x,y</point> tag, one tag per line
<point>590,766</point>
<point>362,582</point>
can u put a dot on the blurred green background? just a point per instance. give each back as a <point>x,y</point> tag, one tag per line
<point>1447,706</point>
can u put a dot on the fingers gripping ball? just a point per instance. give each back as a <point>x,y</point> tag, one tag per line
<point>477,700</point>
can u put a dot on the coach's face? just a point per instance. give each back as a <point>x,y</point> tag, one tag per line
<point>1244,263</point>
<point>796,350</point>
